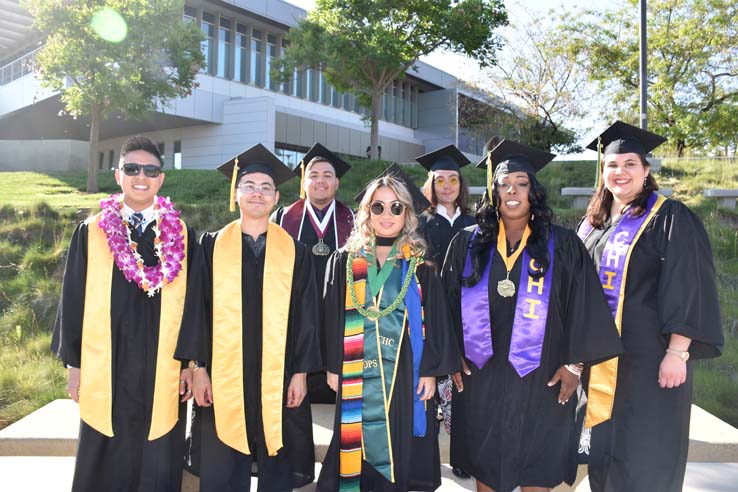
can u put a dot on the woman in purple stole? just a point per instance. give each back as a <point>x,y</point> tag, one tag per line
<point>528,311</point>
<point>655,266</point>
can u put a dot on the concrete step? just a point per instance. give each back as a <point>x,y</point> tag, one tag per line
<point>54,474</point>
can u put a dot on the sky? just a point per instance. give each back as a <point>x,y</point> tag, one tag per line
<point>518,12</point>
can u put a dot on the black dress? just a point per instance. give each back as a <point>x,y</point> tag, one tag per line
<point>670,289</point>
<point>438,231</point>
<point>221,467</point>
<point>417,461</point>
<point>506,430</point>
<point>128,460</point>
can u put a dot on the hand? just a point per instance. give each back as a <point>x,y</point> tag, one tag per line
<point>185,384</point>
<point>569,383</point>
<point>297,390</point>
<point>73,384</point>
<point>332,380</point>
<point>672,371</point>
<point>456,377</point>
<point>202,388</point>
<point>426,387</point>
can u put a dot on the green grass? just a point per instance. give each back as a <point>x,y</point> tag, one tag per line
<point>38,212</point>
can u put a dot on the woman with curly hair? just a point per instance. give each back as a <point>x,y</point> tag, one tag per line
<point>528,311</point>
<point>667,313</point>
<point>390,339</point>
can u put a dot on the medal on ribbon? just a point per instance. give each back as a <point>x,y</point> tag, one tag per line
<point>320,248</point>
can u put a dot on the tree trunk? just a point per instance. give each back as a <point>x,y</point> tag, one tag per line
<point>92,186</point>
<point>374,138</point>
<point>680,147</point>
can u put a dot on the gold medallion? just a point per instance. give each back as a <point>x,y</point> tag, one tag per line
<point>372,313</point>
<point>321,249</point>
<point>506,288</point>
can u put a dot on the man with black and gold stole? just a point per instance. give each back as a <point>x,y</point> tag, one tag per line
<point>116,330</point>
<point>250,327</point>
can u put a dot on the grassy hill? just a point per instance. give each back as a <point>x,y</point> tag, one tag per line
<point>38,212</point>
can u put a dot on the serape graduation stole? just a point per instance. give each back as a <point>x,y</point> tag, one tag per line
<point>351,440</point>
<point>613,274</point>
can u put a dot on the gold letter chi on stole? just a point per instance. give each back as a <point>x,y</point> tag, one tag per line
<point>96,381</point>
<point>613,275</point>
<point>227,368</point>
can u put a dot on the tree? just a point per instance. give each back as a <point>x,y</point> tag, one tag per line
<point>363,45</point>
<point>692,64</point>
<point>123,56</point>
<point>540,85</point>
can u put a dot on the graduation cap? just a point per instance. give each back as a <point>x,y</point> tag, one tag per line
<point>420,202</point>
<point>448,158</point>
<point>622,138</point>
<point>257,159</point>
<point>508,157</point>
<point>340,166</point>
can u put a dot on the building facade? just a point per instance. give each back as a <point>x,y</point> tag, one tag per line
<point>236,104</point>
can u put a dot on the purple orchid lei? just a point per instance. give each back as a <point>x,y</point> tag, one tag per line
<point>168,244</point>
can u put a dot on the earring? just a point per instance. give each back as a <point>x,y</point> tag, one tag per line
<point>532,217</point>
<point>645,180</point>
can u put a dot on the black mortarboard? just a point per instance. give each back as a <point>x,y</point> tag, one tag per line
<point>509,157</point>
<point>622,138</point>
<point>339,165</point>
<point>447,158</point>
<point>257,159</point>
<point>420,202</point>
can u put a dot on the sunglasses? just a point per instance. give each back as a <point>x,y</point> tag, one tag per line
<point>395,208</point>
<point>149,170</point>
<point>441,181</point>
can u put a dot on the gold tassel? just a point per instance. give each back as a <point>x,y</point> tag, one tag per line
<point>490,175</point>
<point>232,206</point>
<point>302,179</point>
<point>599,164</point>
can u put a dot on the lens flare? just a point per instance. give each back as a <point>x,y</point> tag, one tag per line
<point>109,25</point>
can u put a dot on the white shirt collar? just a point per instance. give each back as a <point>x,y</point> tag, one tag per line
<point>148,213</point>
<point>441,210</point>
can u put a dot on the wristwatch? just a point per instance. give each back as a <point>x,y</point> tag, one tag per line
<point>683,355</point>
<point>196,364</point>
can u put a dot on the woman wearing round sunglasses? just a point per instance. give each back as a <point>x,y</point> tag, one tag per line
<point>528,310</point>
<point>387,318</point>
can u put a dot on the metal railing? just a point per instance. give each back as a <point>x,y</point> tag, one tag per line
<point>18,68</point>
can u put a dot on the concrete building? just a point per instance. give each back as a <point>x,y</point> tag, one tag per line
<point>236,104</point>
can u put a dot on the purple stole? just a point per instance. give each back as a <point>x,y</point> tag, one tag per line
<point>613,276</point>
<point>531,313</point>
<point>294,216</point>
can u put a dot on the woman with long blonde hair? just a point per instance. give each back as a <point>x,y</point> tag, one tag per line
<point>390,339</point>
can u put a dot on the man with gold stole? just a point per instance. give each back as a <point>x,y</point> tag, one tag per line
<point>116,330</point>
<point>250,328</point>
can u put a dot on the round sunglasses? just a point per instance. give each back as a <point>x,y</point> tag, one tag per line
<point>149,170</point>
<point>395,208</point>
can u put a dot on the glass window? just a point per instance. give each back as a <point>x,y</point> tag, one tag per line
<point>208,45</point>
<point>257,58</point>
<point>224,48</point>
<point>290,158</point>
<point>395,102</point>
<point>335,97</point>
<point>403,91</point>
<point>177,154</point>
<point>161,152</point>
<point>347,101</point>
<point>111,159</point>
<point>413,104</point>
<point>272,47</point>
<point>313,86</point>
<point>386,103</point>
<point>190,14</point>
<point>285,87</point>
<point>298,85</point>
<point>101,161</point>
<point>241,56</point>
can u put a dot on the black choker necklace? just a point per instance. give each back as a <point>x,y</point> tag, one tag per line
<point>386,241</point>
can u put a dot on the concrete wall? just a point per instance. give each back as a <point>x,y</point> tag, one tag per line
<point>437,118</point>
<point>43,155</point>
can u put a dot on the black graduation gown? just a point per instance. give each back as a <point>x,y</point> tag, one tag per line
<point>318,389</point>
<point>220,466</point>
<point>506,430</point>
<point>416,460</point>
<point>670,289</point>
<point>127,461</point>
<point>438,231</point>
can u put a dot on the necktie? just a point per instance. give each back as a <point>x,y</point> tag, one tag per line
<point>137,223</point>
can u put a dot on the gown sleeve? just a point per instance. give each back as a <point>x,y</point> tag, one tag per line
<point>195,334</point>
<point>440,351</point>
<point>334,292</point>
<point>451,275</point>
<point>687,293</point>
<point>589,328</point>
<point>304,315</point>
<point>66,340</point>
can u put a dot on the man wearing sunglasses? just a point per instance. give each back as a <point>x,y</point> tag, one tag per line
<point>251,331</point>
<point>116,330</point>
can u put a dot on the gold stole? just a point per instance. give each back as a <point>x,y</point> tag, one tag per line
<point>227,364</point>
<point>96,379</point>
<point>603,376</point>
